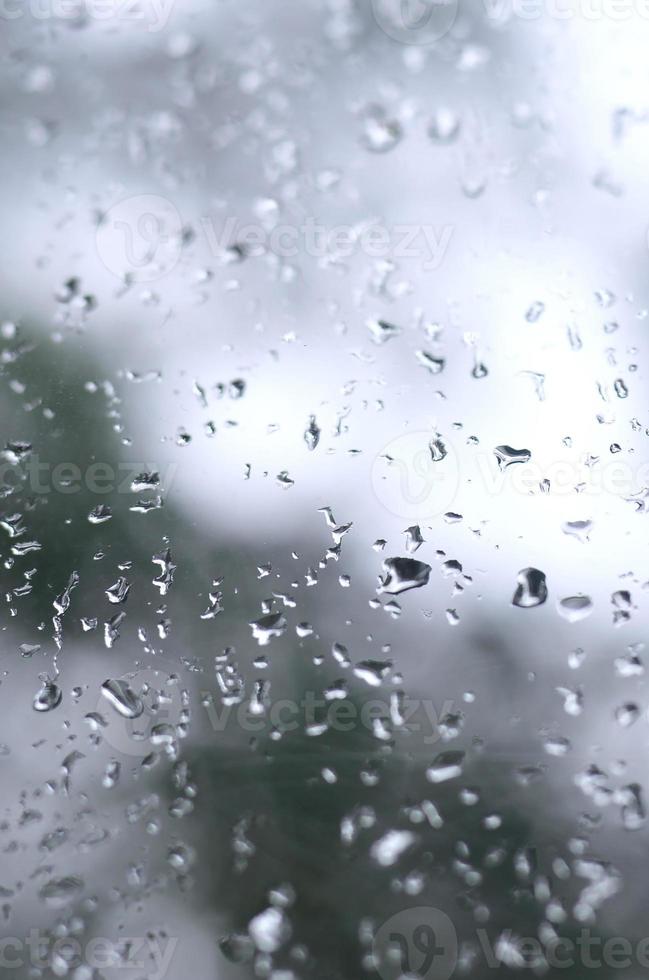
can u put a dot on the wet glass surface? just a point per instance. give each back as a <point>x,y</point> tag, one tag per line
<point>323,489</point>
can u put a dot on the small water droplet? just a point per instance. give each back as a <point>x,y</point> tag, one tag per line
<point>444,127</point>
<point>312,433</point>
<point>447,765</point>
<point>575,608</point>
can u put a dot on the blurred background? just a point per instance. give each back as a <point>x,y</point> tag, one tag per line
<point>278,280</point>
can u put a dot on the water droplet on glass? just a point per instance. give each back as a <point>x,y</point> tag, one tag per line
<point>48,698</point>
<point>444,127</point>
<point>122,698</point>
<point>312,433</point>
<point>507,456</point>
<point>264,629</point>
<point>575,608</point>
<point>532,588</point>
<point>447,765</point>
<point>433,364</point>
<point>402,574</point>
<point>380,134</point>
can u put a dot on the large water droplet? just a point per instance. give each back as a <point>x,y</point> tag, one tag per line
<point>532,589</point>
<point>48,698</point>
<point>402,574</point>
<point>122,698</point>
<point>507,456</point>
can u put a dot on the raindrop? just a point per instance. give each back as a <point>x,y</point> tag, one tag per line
<point>575,608</point>
<point>59,892</point>
<point>264,629</point>
<point>312,433</point>
<point>48,698</point>
<point>535,312</point>
<point>621,389</point>
<point>532,589</point>
<point>447,765</point>
<point>414,539</point>
<point>433,364</point>
<point>122,698</point>
<point>578,529</point>
<point>382,331</point>
<point>380,134</point>
<point>118,592</point>
<point>626,714</point>
<point>479,370</point>
<point>444,127</point>
<point>269,930</point>
<point>507,456</point>
<point>100,514</point>
<point>373,672</point>
<point>402,574</point>
<point>438,450</point>
<point>388,849</point>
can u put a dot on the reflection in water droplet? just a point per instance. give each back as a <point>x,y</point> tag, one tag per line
<point>122,698</point>
<point>264,629</point>
<point>532,589</point>
<point>48,698</point>
<point>402,574</point>
<point>312,433</point>
<point>507,456</point>
<point>433,364</point>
